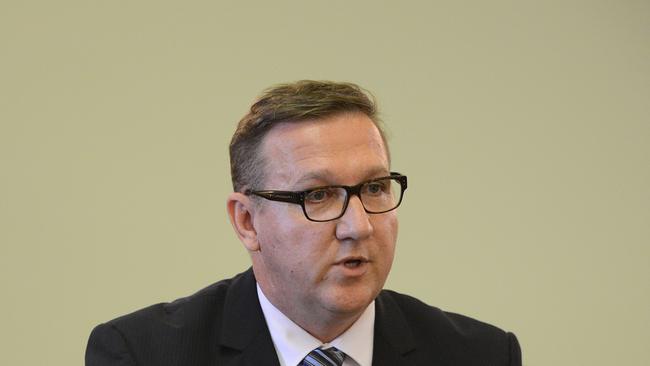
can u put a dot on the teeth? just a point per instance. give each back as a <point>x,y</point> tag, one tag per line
<point>352,264</point>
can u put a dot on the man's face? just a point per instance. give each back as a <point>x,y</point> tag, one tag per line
<point>337,266</point>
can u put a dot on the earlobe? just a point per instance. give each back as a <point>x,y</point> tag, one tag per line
<point>240,211</point>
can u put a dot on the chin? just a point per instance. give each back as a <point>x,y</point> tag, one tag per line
<point>351,300</point>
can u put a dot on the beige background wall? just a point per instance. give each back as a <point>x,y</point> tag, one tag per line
<point>523,127</point>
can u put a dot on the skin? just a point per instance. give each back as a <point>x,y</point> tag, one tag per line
<point>299,263</point>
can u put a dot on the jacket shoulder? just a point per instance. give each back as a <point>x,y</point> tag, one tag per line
<point>422,315</point>
<point>182,312</point>
<point>166,333</point>
<point>449,335</point>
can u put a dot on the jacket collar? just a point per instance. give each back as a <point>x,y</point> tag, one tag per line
<point>244,328</point>
<point>393,337</point>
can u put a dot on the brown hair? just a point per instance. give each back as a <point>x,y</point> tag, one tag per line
<point>294,102</point>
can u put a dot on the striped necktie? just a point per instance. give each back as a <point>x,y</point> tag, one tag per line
<point>324,357</point>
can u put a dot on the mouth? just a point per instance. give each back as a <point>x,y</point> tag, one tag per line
<point>352,262</point>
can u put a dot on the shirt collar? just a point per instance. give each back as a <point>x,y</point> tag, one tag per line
<point>293,343</point>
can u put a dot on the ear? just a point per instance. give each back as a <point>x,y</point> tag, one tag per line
<point>240,210</point>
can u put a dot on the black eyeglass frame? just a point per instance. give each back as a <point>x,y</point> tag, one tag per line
<point>298,197</point>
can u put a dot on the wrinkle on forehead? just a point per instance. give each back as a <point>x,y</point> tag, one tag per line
<point>344,145</point>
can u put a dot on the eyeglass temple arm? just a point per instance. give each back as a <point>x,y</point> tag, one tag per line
<point>281,196</point>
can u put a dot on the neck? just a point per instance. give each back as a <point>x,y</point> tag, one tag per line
<point>327,328</point>
<point>321,323</point>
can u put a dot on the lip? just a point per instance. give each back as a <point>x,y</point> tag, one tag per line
<point>352,258</point>
<point>353,271</point>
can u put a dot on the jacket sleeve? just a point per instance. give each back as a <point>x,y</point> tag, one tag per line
<point>107,347</point>
<point>515,350</point>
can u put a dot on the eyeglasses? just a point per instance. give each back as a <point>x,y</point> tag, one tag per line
<point>329,203</point>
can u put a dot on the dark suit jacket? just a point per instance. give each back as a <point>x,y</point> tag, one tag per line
<point>223,324</point>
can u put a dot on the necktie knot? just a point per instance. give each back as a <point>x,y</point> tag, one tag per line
<point>324,357</point>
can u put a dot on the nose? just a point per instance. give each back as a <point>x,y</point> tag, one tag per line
<point>355,222</point>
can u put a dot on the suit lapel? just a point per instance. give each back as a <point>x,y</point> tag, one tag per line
<point>393,336</point>
<point>244,328</point>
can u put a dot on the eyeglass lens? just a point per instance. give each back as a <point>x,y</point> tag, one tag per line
<point>376,196</point>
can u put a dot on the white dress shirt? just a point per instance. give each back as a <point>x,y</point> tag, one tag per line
<point>293,343</point>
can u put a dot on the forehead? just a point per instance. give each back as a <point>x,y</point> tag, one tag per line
<point>341,149</point>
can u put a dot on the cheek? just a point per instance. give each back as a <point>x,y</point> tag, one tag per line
<point>386,229</point>
<point>316,244</point>
<point>294,245</point>
<point>386,238</point>
<point>315,250</point>
<point>276,224</point>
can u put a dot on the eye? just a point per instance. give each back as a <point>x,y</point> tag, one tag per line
<point>375,188</point>
<point>318,196</point>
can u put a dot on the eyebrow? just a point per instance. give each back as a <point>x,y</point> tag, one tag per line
<point>325,176</point>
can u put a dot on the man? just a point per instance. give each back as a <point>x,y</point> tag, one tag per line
<point>314,205</point>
